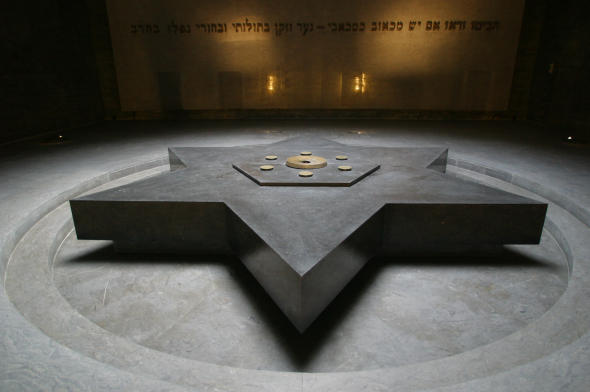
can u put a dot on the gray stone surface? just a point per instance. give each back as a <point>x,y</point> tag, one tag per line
<point>304,244</point>
<point>211,309</point>
<point>549,353</point>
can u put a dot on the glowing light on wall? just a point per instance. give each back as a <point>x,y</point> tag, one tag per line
<point>360,83</point>
<point>271,84</point>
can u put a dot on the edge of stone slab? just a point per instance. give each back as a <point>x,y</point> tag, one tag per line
<point>552,195</point>
<point>581,213</point>
<point>14,236</point>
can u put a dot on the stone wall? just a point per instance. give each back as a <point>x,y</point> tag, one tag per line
<point>48,69</point>
<point>560,95</point>
<point>410,55</point>
<point>527,56</point>
<point>59,73</point>
<point>103,49</point>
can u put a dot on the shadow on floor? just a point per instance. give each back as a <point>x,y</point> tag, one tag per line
<point>302,348</point>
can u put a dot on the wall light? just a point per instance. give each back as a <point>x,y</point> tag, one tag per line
<point>271,84</point>
<point>360,83</point>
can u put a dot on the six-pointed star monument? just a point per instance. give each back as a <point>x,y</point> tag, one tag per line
<point>304,238</point>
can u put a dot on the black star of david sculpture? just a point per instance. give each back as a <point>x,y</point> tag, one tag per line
<point>304,238</point>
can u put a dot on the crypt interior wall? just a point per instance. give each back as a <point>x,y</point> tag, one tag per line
<point>560,93</point>
<point>48,70</point>
<point>406,55</point>
<point>61,74</point>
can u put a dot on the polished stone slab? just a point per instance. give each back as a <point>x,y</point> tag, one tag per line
<point>304,243</point>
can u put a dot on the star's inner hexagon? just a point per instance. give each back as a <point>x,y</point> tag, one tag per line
<point>321,168</point>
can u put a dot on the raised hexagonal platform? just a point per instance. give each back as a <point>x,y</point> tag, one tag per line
<point>282,175</point>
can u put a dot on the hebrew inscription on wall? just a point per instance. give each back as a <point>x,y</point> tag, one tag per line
<point>413,54</point>
<point>305,28</point>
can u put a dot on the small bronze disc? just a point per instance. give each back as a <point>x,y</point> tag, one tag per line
<point>341,157</point>
<point>270,157</point>
<point>266,167</point>
<point>345,168</point>
<point>306,162</point>
<point>305,173</point>
<point>305,153</point>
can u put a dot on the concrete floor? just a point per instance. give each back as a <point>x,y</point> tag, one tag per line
<point>76,316</point>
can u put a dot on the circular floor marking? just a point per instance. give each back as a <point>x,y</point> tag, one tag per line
<point>39,303</point>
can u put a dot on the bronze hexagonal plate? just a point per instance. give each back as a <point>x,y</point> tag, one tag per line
<point>329,175</point>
